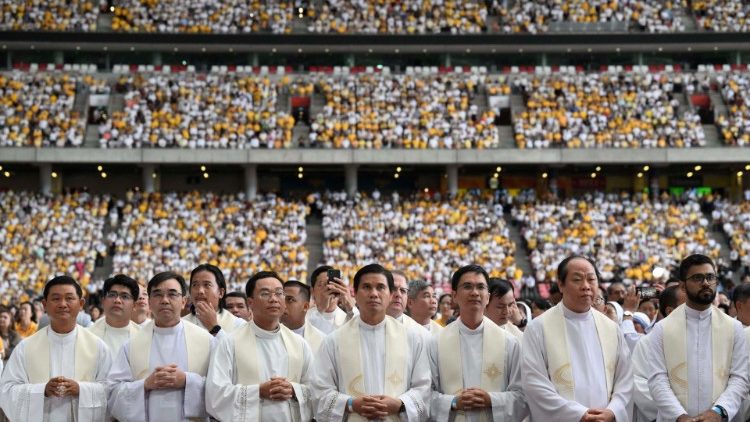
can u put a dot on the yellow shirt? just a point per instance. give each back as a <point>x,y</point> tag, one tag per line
<point>27,332</point>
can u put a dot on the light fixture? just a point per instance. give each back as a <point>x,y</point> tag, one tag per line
<point>99,168</point>
<point>494,176</point>
<point>300,175</point>
<point>203,168</point>
<point>104,175</point>
<point>426,190</point>
<point>153,175</point>
<point>54,175</point>
<point>739,174</point>
<point>640,175</point>
<point>645,168</point>
<point>593,175</point>
<point>698,168</point>
<point>598,168</point>
<point>747,167</point>
<point>398,169</point>
<point>499,169</point>
<point>7,174</point>
<point>205,175</point>
<point>395,176</point>
<point>300,169</point>
<point>690,174</point>
<point>544,175</point>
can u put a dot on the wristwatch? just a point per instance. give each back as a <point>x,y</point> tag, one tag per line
<point>402,409</point>
<point>215,330</point>
<point>720,410</point>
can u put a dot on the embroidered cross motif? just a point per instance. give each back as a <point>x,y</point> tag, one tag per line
<point>562,378</point>
<point>395,379</point>
<point>492,372</point>
<point>353,390</point>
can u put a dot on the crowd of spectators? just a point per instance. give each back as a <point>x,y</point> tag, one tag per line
<point>48,15</point>
<point>399,17</point>
<point>626,110</point>
<point>402,111</point>
<point>734,220</point>
<point>535,16</point>
<point>191,110</point>
<point>722,15</point>
<point>38,109</point>
<point>735,126</point>
<point>426,238</point>
<point>202,16</point>
<point>177,232</point>
<point>626,235</point>
<point>44,236</point>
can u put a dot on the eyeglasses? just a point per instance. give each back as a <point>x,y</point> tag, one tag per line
<point>599,300</point>
<point>265,294</point>
<point>470,287</point>
<point>171,295</point>
<point>700,278</point>
<point>114,295</point>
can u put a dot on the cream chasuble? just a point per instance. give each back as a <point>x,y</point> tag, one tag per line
<point>675,336</point>
<point>224,318</point>
<point>513,330</point>
<point>493,376</point>
<point>250,357</point>
<point>78,355</point>
<point>113,337</point>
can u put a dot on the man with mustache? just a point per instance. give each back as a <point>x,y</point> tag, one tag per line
<point>698,354</point>
<point>261,371</point>
<point>575,364</point>
<point>118,299</point>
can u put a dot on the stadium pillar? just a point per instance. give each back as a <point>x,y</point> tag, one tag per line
<point>452,171</point>
<point>254,59</point>
<point>148,178</point>
<point>351,180</point>
<point>251,181</point>
<point>59,57</point>
<point>45,178</point>
<point>654,185</point>
<point>157,59</point>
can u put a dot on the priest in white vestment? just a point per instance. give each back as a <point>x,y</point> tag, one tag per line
<point>422,305</point>
<point>698,354</point>
<point>575,364</point>
<point>502,303</point>
<point>118,299</point>
<point>161,370</point>
<point>207,290</point>
<point>261,372</point>
<point>476,368</point>
<point>57,373</point>
<point>334,305</point>
<point>399,297</point>
<point>372,367</point>
<point>297,304</point>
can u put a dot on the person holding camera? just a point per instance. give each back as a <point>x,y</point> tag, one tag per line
<point>334,305</point>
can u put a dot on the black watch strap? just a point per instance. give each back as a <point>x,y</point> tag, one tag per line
<point>215,330</point>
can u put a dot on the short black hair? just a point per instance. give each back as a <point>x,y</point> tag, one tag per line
<point>61,280</point>
<point>554,288</point>
<point>250,285</point>
<point>164,276</point>
<point>612,284</point>
<point>122,280</point>
<point>218,275</point>
<point>499,287</point>
<point>316,272</point>
<point>304,289</point>
<point>562,268</point>
<point>693,260</point>
<point>668,299</point>
<point>542,304</point>
<point>240,295</point>
<point>471,268</point>
<point>443,296</point>
<point>374,269</point>
<point>741,293</point>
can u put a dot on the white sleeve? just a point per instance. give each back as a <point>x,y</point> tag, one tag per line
<point>20,400</point>
<point>302,389</point>
<point>126,396</point>
<point>641,394</point>
<point>329,404</point>
<point>737,386</point>
<point>194,404</point>
<point>621,403</point>
<point>510,405</point>
<point>440,404</point>
<point>417,398</point>
<point>225,400</point>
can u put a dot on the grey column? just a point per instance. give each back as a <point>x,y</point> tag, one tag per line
<point>148,178</point>
<point>45,178</point>
<point>452,170</point>
<point>654,185</point>
<point>251,181</point>
<point>351,180</point>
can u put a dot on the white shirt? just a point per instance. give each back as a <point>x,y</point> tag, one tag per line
<point>700,366</point>
<point>329,398</point>
<point>545,403</point>
<point>228,401</point>
<point>115,338</point>
<point>326,321</point>
<point>507,405</point>
<point>23,401</point>
<point>127,398</point>
<point>645,408</point>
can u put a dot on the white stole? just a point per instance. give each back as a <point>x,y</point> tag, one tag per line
<point>100,328</point>
<point>493,360</point>
<point>198,347</point>
<point>246,355</point>
<point>513,330</point>
<point>675,336</point>
<point>313,336</point>
<point>37,356</point>
<point>396,361</point>
<point>558,354</point>
<point>224,319</point>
